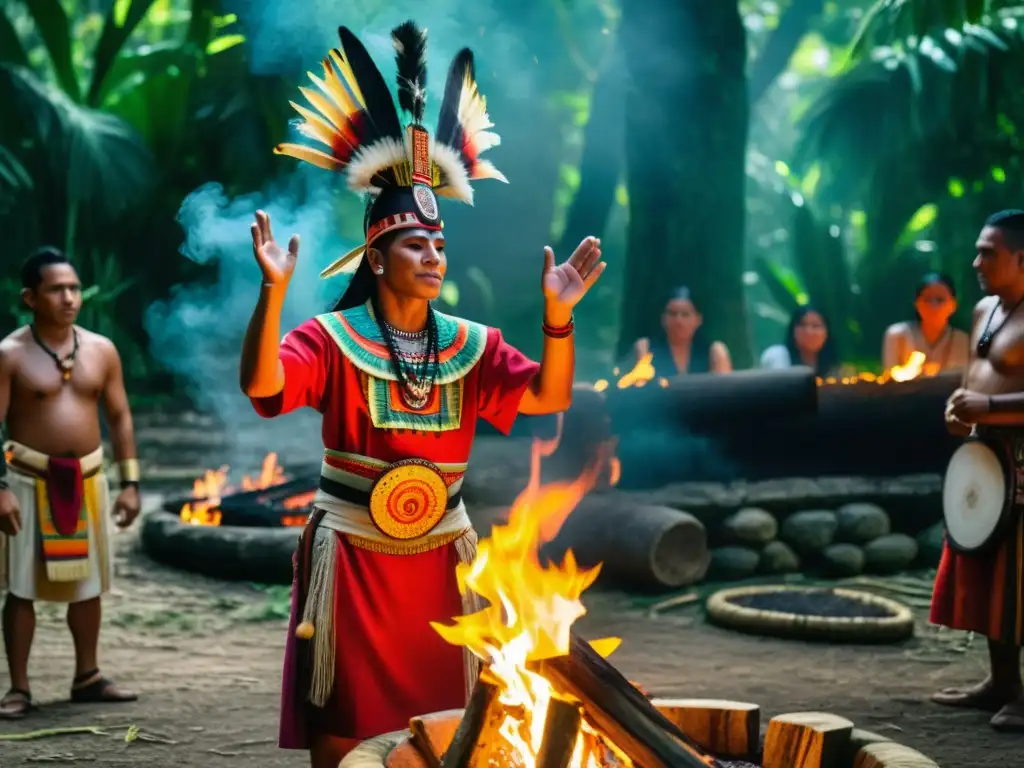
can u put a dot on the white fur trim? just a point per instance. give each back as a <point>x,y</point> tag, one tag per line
<point>453,173</point>
<point>371,160</point>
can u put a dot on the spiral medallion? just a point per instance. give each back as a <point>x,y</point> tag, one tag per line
<point>408,500</point>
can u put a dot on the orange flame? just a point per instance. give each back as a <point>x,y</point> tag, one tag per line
<point>208,490</point>
<point>914,367</point>
<point>531,607</point>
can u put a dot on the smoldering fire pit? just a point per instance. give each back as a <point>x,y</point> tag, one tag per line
<point>245,532</point>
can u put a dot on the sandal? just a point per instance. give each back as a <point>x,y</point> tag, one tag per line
<point>99,691</point>
<point>15,704</point>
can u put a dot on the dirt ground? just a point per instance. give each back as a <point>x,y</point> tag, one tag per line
<point>205,657</point>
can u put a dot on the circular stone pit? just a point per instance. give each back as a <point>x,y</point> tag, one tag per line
<point>262,554</point>
<point>811,613</point>
<point>729,729</point>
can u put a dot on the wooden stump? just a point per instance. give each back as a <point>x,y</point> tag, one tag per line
<point>807,740</point>
<point>724,728</point>
<point>642,545</point>
<point>432,734</point>
<point>888,754</point>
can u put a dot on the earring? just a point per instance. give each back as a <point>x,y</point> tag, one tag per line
<point>379,269</point>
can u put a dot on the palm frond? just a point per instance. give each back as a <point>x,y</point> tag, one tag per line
<point>54,28</point>
<point>889,21</point>
<point>111,43</point>
<point>903,96</point>
<point>11,49</point>
<point>104,165</point>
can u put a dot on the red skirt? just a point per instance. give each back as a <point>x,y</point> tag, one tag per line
<point>983,593</point>
<point>390,664</point>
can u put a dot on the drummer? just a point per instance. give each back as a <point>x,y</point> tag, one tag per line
<point>984,593</point>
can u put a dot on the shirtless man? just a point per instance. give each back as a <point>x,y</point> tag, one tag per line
<point>53,376</point>
<point>985,593</point>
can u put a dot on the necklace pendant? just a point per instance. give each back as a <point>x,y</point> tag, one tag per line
<point>67,374</point>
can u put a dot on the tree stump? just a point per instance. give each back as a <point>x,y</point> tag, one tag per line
<point>725,728</point>
<point>807,740</point>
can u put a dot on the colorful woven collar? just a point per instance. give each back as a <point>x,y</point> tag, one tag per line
<point>356,332</point>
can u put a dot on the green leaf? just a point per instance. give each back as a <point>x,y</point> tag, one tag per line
<point>783,285</point>
<point>118,27</point>
<point>224,42</point>
<point>11,49</point>
<point>54,28</point>
<point>99,160</point>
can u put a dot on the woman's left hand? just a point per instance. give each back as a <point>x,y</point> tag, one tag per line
<point>564,285</point>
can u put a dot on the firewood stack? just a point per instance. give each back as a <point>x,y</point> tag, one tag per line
<point>600,697</point>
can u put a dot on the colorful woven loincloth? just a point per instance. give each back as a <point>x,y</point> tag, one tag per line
<point>67,498</point>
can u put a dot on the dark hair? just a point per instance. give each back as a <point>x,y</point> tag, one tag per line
<point>828,357</point>
<point>700,346</point>
<point>1011,224</point>
<point>933,278</point>
<point>363,285</point>
<point>32,268</point>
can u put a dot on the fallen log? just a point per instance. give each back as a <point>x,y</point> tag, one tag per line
<point>641,545</point>
<point>619,712</point>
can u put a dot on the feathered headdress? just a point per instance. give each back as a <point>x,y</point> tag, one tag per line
<point>401,170</point>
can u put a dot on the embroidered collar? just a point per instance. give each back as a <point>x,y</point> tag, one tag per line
<point>356,332</point>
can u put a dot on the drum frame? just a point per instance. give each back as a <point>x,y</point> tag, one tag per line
<point>1003,448</point>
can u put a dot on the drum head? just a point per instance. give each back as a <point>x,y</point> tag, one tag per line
<point>973,495</point>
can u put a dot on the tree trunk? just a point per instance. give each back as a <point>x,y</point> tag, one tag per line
<point>686,136</point>
<point>604,145</point>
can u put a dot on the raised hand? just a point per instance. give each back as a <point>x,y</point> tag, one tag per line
<point>565,284</point>
<point>275,263</point>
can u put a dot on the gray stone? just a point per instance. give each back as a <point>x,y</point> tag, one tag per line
<point>732,563</point>
<point>843,559</point>
<point>750,526</point>
<point>778,557</point>
<point>890,554</point>
<point>929,545</point>
<point>860,523</point>
<point>809,531</point>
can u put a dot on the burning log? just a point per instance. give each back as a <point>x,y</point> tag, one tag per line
<point>471,737</point>
<point>643,545</point>
<point>561,730</point>
<point>619,712</point>
<point>725,728</point>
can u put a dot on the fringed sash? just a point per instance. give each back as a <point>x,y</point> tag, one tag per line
<point>316,567</point>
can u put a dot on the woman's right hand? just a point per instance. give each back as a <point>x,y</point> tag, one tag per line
<point>275,263</point>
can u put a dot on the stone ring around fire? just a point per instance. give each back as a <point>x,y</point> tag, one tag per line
<point>811,613</point>
<point>409,499</point>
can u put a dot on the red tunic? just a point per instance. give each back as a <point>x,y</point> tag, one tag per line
<point>390,664</point>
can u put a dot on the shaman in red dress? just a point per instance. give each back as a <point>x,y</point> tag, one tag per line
<point>389,663</point>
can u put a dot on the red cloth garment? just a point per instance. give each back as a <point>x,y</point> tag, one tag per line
<point>983,593</point>
<point>65,489</point>
<point>390,664</point>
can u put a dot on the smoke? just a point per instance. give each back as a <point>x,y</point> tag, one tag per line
<point>284,35</point>
<point>198,332</point>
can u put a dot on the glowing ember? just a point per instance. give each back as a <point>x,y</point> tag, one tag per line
<point>912,369</point>
<point>531,608</point>
<point>208,490</point>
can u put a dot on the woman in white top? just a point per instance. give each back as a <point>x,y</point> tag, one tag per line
<point>945,348</point>
<point>808,342</point>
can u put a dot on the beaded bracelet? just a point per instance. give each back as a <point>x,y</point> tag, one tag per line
<point>559,333</point>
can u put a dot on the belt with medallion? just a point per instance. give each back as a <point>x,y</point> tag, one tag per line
<point>406,499</point>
